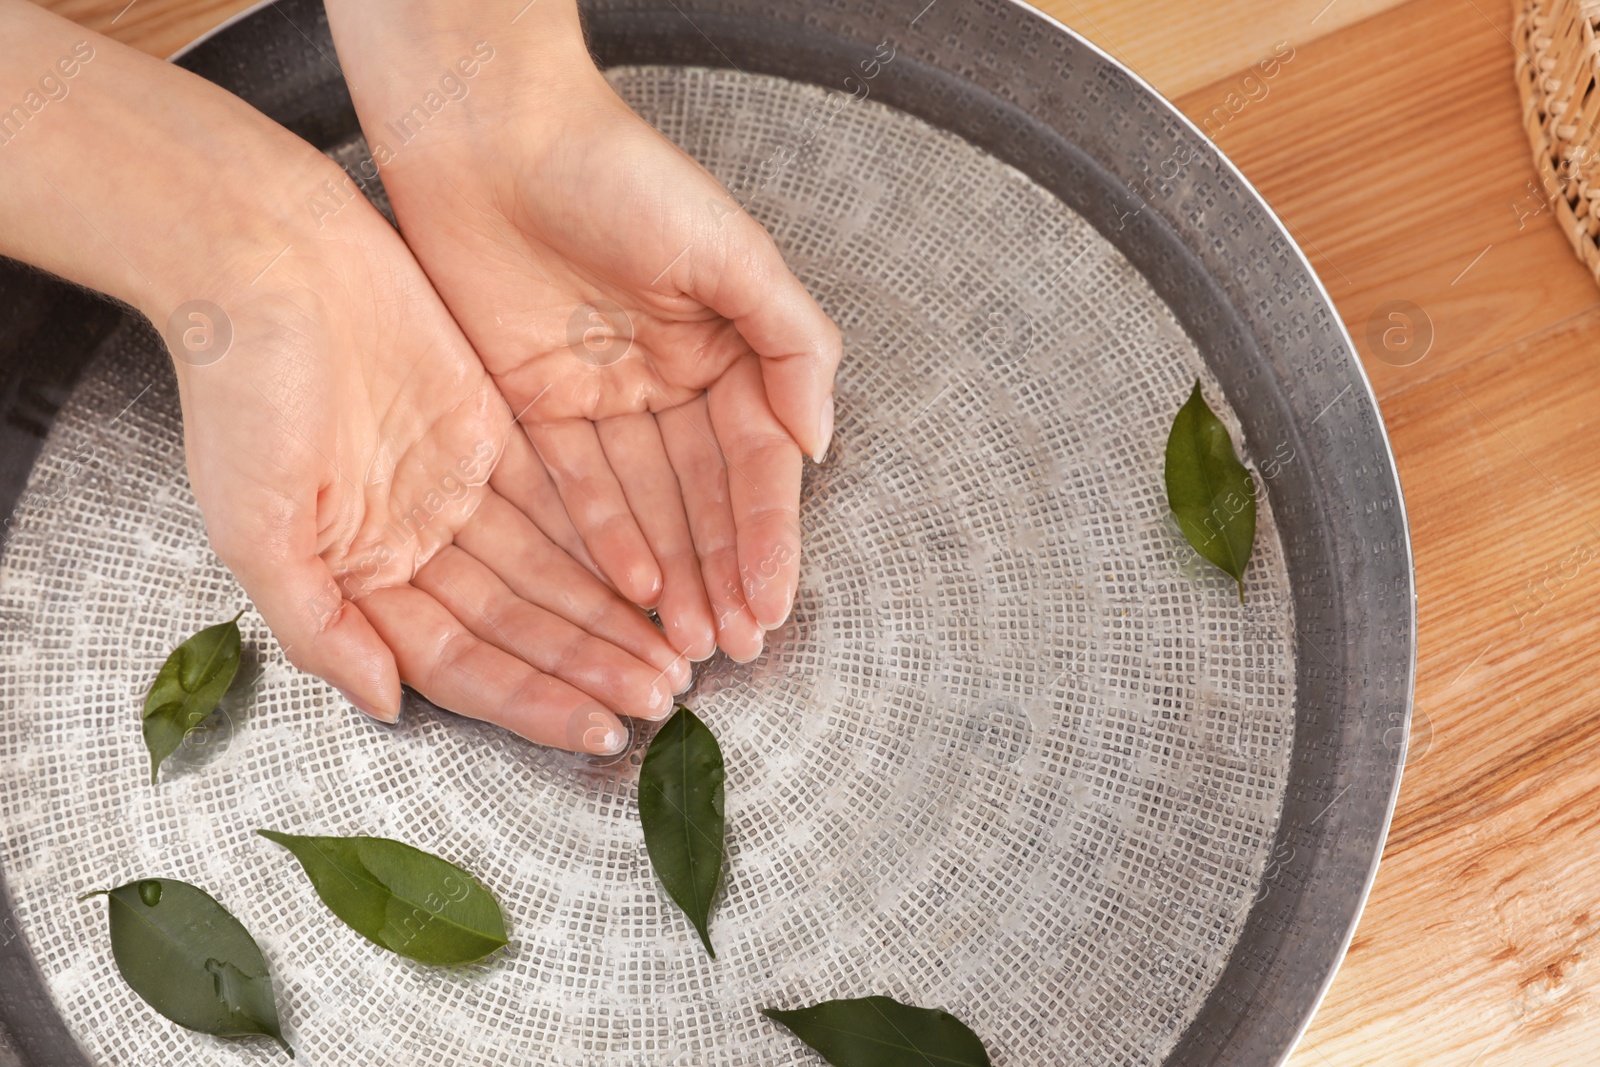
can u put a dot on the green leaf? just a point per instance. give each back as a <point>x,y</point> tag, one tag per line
<point>880,1032</point>
<point>191,960</point>
<point>1209,491</point>
<point>401,898</point>
<point>190,686</point>
<point>681,810</point>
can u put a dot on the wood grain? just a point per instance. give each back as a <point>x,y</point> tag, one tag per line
<point>1176,45</point>
<point>159,27</point>
<point>1182,45</point>
<point>1396,180</point>
<point>1393,149</point>
<point>1391,145</point>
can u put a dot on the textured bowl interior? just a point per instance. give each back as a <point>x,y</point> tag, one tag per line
<point>1016,755</point>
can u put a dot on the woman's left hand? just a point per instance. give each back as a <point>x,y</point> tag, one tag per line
<point>662,358</point>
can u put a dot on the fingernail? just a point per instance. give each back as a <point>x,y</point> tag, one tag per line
<point>367,709</point>
<point>825,430</point>
<point>788,606</point>
<point>700,649</point>
<point>604,740</point>
<point>695,641</point>
<point>595,730</point>
<point>679,674</point>
<point>660,704</point>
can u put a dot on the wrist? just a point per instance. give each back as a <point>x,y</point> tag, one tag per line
<point>427,73</point>
<point>222,234</point>
<point>141,180</point>
<point>407,39</point>
<point>253,250</point>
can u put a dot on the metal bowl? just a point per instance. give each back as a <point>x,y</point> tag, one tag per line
<point>1036,96</point>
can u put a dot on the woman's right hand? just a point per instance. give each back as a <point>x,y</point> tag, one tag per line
<point>360,475</point>
<point>352,458</point>
<point>673,420</point>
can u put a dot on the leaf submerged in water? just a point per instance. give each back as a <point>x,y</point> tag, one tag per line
<point>681,802</point>
<point>191,960</point>
<point>1210,492</point>
<point>401,898</point>
<point>881,1032</point>
<point>189,687</point>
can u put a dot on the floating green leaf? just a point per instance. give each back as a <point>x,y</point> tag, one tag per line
<point>401,898</point>
<point>190,686</point>
<point>681,810</point>
<point>1209,491</point>
<point>880,1032</point>
<point>191,960</point>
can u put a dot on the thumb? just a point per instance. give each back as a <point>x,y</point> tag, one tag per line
<point>321,631</point>
<point>798,344</point>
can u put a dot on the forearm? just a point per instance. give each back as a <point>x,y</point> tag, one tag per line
<point>132,176</point>
<point>419,69</point>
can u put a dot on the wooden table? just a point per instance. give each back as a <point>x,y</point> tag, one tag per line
<point>1391,143</point>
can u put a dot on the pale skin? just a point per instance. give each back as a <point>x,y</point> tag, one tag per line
<point>529,191</point>
<point>357,452</point>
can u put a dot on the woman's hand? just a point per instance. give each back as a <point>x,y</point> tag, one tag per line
<point>359,474</point>
<point>603,277</point>
<point>357,469</point>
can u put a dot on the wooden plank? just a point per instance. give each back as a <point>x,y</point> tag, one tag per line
<point>1474,946</point>
<point>1177,45</point>
<point>1392,145</point>
<point>159,27</point>
<point>1182,45</point>
<point>1394,150</point>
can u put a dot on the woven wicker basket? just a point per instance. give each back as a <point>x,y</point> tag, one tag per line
<point>1558,64</point>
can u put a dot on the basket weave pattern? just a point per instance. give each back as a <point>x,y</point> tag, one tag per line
<point>1558,63</point>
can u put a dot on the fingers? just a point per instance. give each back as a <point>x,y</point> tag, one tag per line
<point>692,448</point>
<point>763,490</point>
<point>457,670</point>
<point>493,613</point>
<point>503,539</point>
<point>522,478</point>
<point>799,345</point>
<point>321,632</point>
<point>571,452</point>
<point>633,446</point>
